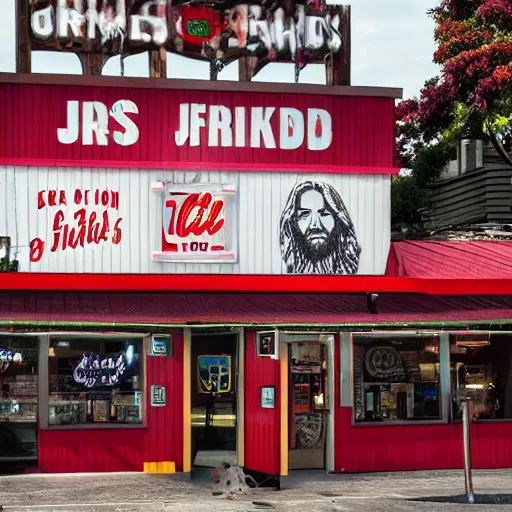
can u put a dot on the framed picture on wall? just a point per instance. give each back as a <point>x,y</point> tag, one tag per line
<point>267,345</point>
<point>268,397</point>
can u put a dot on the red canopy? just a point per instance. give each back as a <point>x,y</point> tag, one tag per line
<point>71,308</point>
<point>450,259</point>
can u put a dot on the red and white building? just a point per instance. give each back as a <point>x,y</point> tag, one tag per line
<point>203,267</point>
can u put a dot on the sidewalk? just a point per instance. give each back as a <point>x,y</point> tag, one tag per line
<point>305,491</point>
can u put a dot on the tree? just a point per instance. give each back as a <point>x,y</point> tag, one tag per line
<point>473,96</point>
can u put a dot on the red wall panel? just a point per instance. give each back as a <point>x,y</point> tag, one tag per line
<point>97,450</point>
<point>362,126</point>
<point>262,426</point>
<point>418,447</point>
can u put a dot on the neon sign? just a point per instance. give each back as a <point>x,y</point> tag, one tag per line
<point>8,357</point>
<point>93,372</point>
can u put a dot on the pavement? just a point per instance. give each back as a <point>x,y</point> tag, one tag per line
<point>308,491</point>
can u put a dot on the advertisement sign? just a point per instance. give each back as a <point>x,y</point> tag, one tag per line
<point>295,31</point>
<point>165,128</point>
<point>135,221</point>
<point>198,223</point>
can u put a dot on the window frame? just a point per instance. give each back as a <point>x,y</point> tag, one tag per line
<point>44,382</point>
<point>444,376</point>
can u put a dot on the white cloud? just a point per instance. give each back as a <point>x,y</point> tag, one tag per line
<point>392,46</point>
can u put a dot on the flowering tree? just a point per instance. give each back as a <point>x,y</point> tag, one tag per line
<point>473,96</point>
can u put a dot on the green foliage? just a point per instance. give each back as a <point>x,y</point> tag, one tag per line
<point>8,266</point>
<point>409,194</point>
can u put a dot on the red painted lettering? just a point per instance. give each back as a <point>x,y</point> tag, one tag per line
<point>77,236</point>
<point>40,200</point>
<point>62,197</point>
<point>57,226</point>
<point>116,239</point>
<point>52,198</point>
<point>104,198</point>
<point>197,226</point>
<point>36,250</point>
<point>78,196</point>
<point>115,200</point>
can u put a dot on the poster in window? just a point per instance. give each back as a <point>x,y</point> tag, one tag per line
<point>214,374</point>
<point>101,411</point>
<point>384,364</point>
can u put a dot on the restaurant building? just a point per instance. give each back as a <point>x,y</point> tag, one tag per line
<point>204,273</point>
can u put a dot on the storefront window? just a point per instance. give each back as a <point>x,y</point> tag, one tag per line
<point>396,379</point>
<point>18,402</point>
<point>483,364</point>
<point>95,380</point>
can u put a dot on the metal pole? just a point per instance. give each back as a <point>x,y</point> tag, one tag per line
<point>467,451</point>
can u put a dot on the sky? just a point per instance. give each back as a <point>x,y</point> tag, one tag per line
<point>392,46</point>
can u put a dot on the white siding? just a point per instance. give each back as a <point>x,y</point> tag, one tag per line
<point>260,195</point>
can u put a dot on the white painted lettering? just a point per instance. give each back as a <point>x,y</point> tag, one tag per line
<point>220,119</point>
<point>291,134</point>
<point>261,127</point>
<point>69,135</point>
<point>72,18</point>
<point>240,127</point>
<point>131,131</point>
<point>148,28</point>
<point>196,122</point>
<point>319,129</point>
<point>315,30</point>
<point>181,135</point>
<point>94,121</point>
<point>42,23</point>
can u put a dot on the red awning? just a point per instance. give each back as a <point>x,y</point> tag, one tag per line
<point>60,308</point>
<point>450,259</point>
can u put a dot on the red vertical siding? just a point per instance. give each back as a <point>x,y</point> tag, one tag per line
<point>417,447</point>
<point>362,128</point>
<point>262,426</point>
<point>97,450</point>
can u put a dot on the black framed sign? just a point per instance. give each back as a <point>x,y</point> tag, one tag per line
<point>160,345</point>
<point>267,345</point>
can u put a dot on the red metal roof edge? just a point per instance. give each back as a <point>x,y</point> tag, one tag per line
<point>200,85</point>
<point>252,283</point>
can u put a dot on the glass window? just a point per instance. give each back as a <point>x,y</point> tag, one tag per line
<point>483,364</point>
<point>18,401</point>
<point>396,379</point>
<point>95,380</point>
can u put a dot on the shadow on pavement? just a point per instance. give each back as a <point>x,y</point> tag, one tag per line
<point>480,499</point>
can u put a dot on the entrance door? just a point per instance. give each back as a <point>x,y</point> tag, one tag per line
<point>308,415</point>
<point>18,400</point>
<point>214,398</point>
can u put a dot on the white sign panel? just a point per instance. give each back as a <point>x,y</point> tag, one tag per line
<point>105,221</point>
<point>198,223</point>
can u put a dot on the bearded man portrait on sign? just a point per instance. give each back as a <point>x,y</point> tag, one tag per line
<point>317,235</point>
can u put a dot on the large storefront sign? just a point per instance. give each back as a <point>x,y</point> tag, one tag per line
<point>221,32</point>
<point>175,222</point>
<point>190,130</point>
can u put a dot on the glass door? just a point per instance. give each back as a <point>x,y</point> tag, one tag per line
<point>18,399</point>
